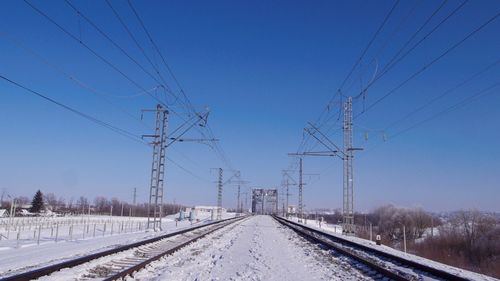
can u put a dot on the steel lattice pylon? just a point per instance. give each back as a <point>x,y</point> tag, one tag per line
<point>219,195</point>
<point>155,205</point>
<point>301,185</point>
<point>348,198</point>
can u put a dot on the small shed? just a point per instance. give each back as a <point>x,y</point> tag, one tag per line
<point>3,213</point>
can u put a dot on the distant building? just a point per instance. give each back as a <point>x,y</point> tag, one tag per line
<point>3,213</point>
<point>206,208</point>
<point>292,209</point>
<point>25,213</point>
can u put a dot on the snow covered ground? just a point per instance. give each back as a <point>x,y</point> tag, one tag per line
<point>334,228</point>
<point>454,270</point>
<point>25,254</point>
<point>24,231</point>
<point>257,248</point>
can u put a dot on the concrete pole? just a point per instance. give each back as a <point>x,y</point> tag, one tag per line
<point>404,237</point>
<point>371,231</point>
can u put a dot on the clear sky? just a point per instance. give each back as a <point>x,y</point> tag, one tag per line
<point>264,68</point>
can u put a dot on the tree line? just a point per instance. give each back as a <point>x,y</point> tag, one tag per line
<point>467,239</point>
<point>100,205</point>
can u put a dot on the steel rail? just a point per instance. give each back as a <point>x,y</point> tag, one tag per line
<point>332,241</point>
<point>47,270</point>
<point>137,267</point>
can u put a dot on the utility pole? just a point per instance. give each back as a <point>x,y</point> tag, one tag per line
<point>287,196</point>
<point>276,204</point>
<point>157,169</point>
<point>238,210</point>
<point>301,210</point>
<point>135,196</point>
<point>283,198</point>
<point>246,201</point>
<point>348,183</point>
<point>263,201</point>
<point>239,182</point>
<point>219,195</point>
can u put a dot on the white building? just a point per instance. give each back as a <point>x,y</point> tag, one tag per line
<point>206,208</point>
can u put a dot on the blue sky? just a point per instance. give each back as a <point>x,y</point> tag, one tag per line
<point>264,68</point>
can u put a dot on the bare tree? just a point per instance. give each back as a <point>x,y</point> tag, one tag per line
<point>101,204</point>
<point>467,221</point>
<point>51,201</point>
<point>4,191</point>
<point>61,203</point>
<point>82,203</point>
<point>22,200</point>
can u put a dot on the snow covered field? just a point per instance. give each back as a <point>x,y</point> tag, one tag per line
<point>257,248</point>
<point>25,253</point>
<point>22,231</point>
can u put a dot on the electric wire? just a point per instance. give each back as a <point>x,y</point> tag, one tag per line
<point>216,146</point>
<point>472,98</point>
<point>99,56</point>
<point>136,42</point>
<point>116,129</point>
<point>92,51</point>
<point>71,77</point>
<point>395,59</point>
<point>96,54</point>
<point>384,45</point>
<point>338,93</point>
<point>444,94</point>
<point>160,54</point>
<point>370,43</point>
<point>97,121</point>
<point>427,65</point>
<point>116,45</point>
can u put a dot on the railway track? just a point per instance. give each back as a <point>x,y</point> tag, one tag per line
<point>373,263</point>
<point>123,261</point>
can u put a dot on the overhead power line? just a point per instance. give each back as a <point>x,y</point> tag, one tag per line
<point>120,131</point>
<point>455,106</point>
<point>141,49</point>
<point>338,93</point>
<point>427,65</point>
<point>116,45</point>
<point>396,58</point>
<point>71,77</point>
<point>115,68</point>
<point>447,92</point>
<point>215,145</point>
<point>95,53</point>
<point>406,18</point>
<point>94,120</point>
<point>161,56</point>
<point>369,44</point>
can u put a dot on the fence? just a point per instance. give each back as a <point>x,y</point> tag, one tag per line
<point>43,229</point>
